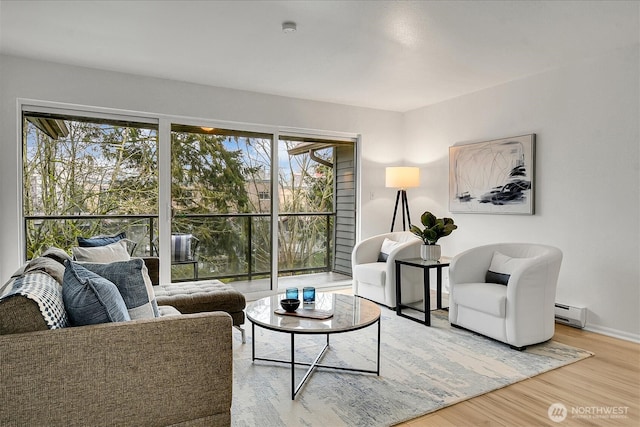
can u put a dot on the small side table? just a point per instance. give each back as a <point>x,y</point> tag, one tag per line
<point>425,266</point>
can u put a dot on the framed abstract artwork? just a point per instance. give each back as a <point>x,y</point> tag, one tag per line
<point>494,177</point>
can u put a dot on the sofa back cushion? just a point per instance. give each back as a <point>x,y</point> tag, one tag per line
<point>109,253</point>
<point>90,298</point>
<point>33,303</point>
<point>91,242</point>
<point>132,280</point>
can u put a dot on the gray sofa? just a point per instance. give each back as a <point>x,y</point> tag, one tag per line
<point>170,370</point>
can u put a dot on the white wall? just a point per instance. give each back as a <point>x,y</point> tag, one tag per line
<point>23,78</point>
<point>586,119</point>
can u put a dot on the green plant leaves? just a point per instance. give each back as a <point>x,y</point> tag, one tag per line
<point>435,228</point>
<point>428,219</point>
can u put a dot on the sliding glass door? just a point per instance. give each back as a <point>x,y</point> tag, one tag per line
<point>221,205</point>
<point>316,214</point>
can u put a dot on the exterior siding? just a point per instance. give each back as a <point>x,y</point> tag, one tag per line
<point>345,221</point>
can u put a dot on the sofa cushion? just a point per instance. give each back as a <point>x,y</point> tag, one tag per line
<point>203,296</point>
<point>90,298</point>
<point>89,242</point>
<point>167,310</point>
<point>33,303</point>
<point>373,273</point>
<point>109,253</point>
<point>489,298</point>
<point>134,284</point>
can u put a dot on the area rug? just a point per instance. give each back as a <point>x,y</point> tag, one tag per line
<point>422,369</point>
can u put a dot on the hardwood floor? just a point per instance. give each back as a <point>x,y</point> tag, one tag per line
<point>607,382</point>
<point>589,389</point>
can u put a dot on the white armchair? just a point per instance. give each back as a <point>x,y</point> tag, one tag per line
<point>519,313</point>
<point>377,280</point>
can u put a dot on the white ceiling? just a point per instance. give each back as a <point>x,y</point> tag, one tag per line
<point>392,55</point>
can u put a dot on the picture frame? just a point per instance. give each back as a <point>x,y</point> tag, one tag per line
<point>493,177</point>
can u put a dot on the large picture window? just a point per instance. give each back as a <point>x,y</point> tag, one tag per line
<point>88,176</point>
<point>236,205</point>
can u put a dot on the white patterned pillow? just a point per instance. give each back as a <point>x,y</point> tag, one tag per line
<point>45,291</point>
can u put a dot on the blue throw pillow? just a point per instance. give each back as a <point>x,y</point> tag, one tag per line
<point>133,282</point>
<point>92,242</point>
<point>90,299</point>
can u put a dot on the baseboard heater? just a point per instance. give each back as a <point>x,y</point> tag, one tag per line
<point>572,316</point>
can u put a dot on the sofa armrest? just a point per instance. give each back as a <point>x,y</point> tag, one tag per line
<point>164,370</point>
<point>153,268</point>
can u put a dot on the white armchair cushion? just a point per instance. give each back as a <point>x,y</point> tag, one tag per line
<point>489,298</point>
<point>373,273</point>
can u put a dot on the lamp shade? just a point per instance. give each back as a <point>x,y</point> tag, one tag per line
<point>402,177</point>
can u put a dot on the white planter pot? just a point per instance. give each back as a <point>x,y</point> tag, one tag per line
<point>430,252</point>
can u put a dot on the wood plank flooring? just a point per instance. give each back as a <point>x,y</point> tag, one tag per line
<point>608,380</point>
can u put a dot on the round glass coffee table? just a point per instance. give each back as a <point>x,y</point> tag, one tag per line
<point>334,313</point>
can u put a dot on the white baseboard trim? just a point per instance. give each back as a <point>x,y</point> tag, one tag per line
<point>615,333</point>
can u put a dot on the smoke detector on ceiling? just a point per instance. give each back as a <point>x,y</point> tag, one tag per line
<point>289,27</point>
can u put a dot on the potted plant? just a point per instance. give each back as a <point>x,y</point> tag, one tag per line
<point>434,229</point>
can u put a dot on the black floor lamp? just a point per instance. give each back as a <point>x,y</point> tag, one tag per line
<point>402,177</point>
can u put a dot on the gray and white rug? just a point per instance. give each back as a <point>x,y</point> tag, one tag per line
<point>422,369</point>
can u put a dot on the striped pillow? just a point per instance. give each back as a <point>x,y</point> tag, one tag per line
<point>181,247</point>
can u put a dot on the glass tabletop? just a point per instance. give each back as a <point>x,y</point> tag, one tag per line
<point>419,262</point>
<point>349,313</point>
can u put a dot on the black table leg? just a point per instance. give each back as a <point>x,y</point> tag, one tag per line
<point>293,367</point>
<point>398,290</point>
<point>427,297</point>
<point>439,290</point>
<point>253,341</point>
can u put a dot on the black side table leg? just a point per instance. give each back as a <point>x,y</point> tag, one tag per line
<point>398,290</point>
<point>427,297</point>
<point>439,290</point>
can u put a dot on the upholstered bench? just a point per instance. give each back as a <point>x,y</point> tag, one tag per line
<point>203,296</point>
